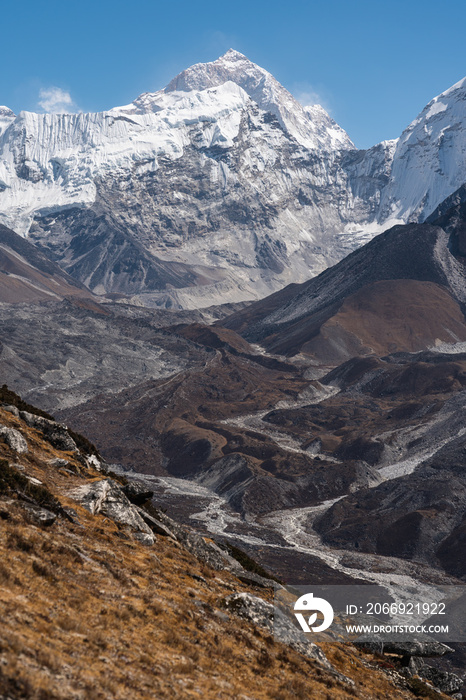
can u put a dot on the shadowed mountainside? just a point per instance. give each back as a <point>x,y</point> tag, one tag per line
<point>405,290</point>
<point>27,275</point>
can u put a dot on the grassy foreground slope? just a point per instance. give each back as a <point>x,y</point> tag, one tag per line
<point>89,612</point>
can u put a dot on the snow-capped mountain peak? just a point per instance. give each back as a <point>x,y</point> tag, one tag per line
<point>312,128</point>
<point>430,158</point>
<point>222,172</point>
<point>6,112</point>
<point>233,66</point>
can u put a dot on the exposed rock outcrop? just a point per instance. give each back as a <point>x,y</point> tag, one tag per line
<point>13,439</point>
<point>55,433</point>
<point>269,617</point>
<point>108,498</point>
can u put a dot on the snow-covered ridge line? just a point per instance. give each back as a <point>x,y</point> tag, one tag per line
<point>50,161</point>
<point>429,162</point>
<point>311,128</point>
<point>223,170</point>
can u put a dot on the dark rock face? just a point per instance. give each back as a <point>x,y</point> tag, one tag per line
<point>96,249</point>
<point>248,490</point>
<point>30,253</point>
<point>419,516</point>
<point>446,682</point>
<point>451,551</point>
<point>27,275</point>
<point>451,215</point>
<point>56,433</point>
<point>137,492</point>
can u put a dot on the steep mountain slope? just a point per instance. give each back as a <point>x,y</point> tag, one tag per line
<point>429,162</point>
<point>101,592</point>
<point>26,274</point>
<point>219,187</point>
<point>418,512</point>
<point>318,133</point>
<point>404,290</point>
<point>184,175</point>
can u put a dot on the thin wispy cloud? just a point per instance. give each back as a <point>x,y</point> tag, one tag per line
<point>307,95</point>
<point>54,100</point>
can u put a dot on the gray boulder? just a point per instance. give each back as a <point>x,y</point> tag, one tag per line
<point>415,663</point>
<point>448,683</point>
<point>64,464</point>
<point>13,439</point>
<point>155,525</point>
<point>55,433</point>
<point>107,497</point>
<point>270,617</point>
<point>39,516</point>
<point>417,647</point>
<point>145,538</point>
<point>11,409</point>
<point>407,647</point>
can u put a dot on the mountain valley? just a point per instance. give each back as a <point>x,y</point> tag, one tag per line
<point>262,330</point>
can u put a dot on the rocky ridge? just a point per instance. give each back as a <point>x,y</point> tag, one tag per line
<point>27,275</point>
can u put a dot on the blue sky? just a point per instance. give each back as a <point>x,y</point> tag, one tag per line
<point>374,65</point>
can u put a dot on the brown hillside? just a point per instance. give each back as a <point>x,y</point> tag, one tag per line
<point>386,317</point>
<point>89,612</point>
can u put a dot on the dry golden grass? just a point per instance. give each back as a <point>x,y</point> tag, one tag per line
<point>88,615</point>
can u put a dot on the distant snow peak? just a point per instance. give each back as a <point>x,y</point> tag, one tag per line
<point>429,162</point>
<point>223,172</point>
<point>314,130</point>
<point>6,112</point>
<point>233,55</point>
<point>230,66</point>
